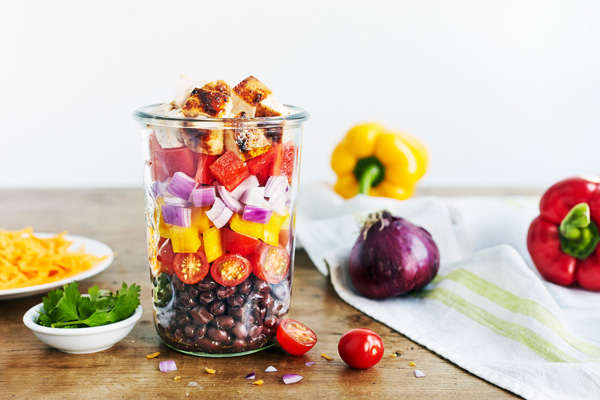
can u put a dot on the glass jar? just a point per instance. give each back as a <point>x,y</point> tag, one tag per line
<point>220,199</point>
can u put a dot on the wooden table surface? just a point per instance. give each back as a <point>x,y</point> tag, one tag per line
<point>30,369</point>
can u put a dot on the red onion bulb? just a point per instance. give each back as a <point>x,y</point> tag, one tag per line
<point>392,257</point>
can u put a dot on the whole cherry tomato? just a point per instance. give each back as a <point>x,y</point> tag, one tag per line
<point>295,337</point>
<point>361,348</point>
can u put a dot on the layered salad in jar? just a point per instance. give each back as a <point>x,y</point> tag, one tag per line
<point>221,179</point>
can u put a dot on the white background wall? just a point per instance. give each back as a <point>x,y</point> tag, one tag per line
<point>504,93</point>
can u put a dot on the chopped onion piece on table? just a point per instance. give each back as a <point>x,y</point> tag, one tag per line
<point>180,216</point>
<point>246,184</point>
<point>181,185</point>
<point>204,196</point>
<point>292,378</point>
<point>251,375</point>
<point>167,366</point>
<point>309,364</point>
<point>219,214</point>
<point>271,369</point>
<point>419,373</point>
<point>257,214</point>
<point>231,203</point>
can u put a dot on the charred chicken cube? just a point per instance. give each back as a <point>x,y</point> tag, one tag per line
<point>248,94</point>
<point>270,107</point>
<point>206,102</point>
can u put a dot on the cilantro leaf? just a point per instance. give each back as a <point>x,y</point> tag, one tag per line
<point>85,307</point>
<point>66,308</point>
<point>52,300</point>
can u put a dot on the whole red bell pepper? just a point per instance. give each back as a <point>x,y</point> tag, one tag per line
<point>563,239</point>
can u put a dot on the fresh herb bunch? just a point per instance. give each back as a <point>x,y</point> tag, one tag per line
<point>67,308</point>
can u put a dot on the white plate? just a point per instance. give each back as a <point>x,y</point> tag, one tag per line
<point>91,246</point>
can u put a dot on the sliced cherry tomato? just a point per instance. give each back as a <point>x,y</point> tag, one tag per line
<point>191,267</point>
<point>166,256</point>
<point>270,263</point>
<point>361,348</point>
<point>230,269</point>
<point>295,337</point>
<point>237,243</point>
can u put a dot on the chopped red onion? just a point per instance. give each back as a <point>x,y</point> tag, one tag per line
<point>309,364</point>
<point>181,185</point>
<point>292,378</point>
<point>276,186</point>
<point>158,187</point>
<point>204,196</point>
<point>251,375</point>
<point>261,215</point>
<point>419,374</point>
<point>177,202</point>
<point>271,369</point>
<point>219,214</point>
<point>278,204</point>
<point>167,366</point>
<point>254,196</point>
<point>251,181</point>
<point>174,215</point>
<point>231,203</point>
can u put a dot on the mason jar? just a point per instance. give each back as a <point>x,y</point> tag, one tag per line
<point>220,196</point>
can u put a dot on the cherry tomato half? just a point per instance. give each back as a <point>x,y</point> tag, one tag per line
<point>361,348</point>
<point>191,267</point>
<point>270,263</point>
<point>230,269</point>
<point>237,243</point>
<point>295,337</point>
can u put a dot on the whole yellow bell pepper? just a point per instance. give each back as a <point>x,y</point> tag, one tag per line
<point>375,161</point>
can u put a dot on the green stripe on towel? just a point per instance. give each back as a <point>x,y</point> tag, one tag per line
<point>520,305</point>
<point>510,330</point>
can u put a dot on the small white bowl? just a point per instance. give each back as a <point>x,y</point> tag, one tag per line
<point>81,340</point>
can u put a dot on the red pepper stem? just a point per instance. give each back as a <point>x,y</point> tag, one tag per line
<point>579,235</point>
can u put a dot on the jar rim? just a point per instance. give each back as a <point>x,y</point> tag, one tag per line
<point>144,115</point>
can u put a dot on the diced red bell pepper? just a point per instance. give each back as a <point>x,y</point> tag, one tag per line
<point>260,166</point>
<point>203,174</point>
<point>165,162</point>
<point>284,160</point>
<point>229,170</point>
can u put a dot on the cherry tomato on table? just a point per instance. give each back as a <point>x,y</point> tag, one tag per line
<point>361,348</point>
<point>270,263</point>
<point>230,269</point>
<point>295,337</point>
<point>190,267</point>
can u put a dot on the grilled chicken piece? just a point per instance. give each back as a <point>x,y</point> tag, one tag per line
<point>270,107</point>
<point>246,142</point>
<point>212,100</point>
<point>205,141</point>
<point>248,94</point>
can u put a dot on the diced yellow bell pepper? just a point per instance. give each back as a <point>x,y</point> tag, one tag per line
<point>213,247</point>
<point>375,161</point>
<point>200,220</point>
<point>248,228</point>
<point>271,230</point>
<point>184,240</point>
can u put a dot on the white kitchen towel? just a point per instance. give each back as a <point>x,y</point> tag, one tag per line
<point>488,310</point>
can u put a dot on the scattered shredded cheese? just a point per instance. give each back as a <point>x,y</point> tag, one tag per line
<point>153,355</point>
<point>258,382</point>
<point>393,355</point>
<point>412,364</point>
<point>210,370</point>
<point>177,378</point>
<point>26,260</point>
<point>325,356</point>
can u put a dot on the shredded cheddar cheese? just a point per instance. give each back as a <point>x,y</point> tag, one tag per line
<point>26,260</point>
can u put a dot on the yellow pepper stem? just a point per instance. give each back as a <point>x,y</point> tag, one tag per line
<point>369,173</point>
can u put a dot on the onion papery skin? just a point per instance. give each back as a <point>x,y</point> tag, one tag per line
<point>393,261</point>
